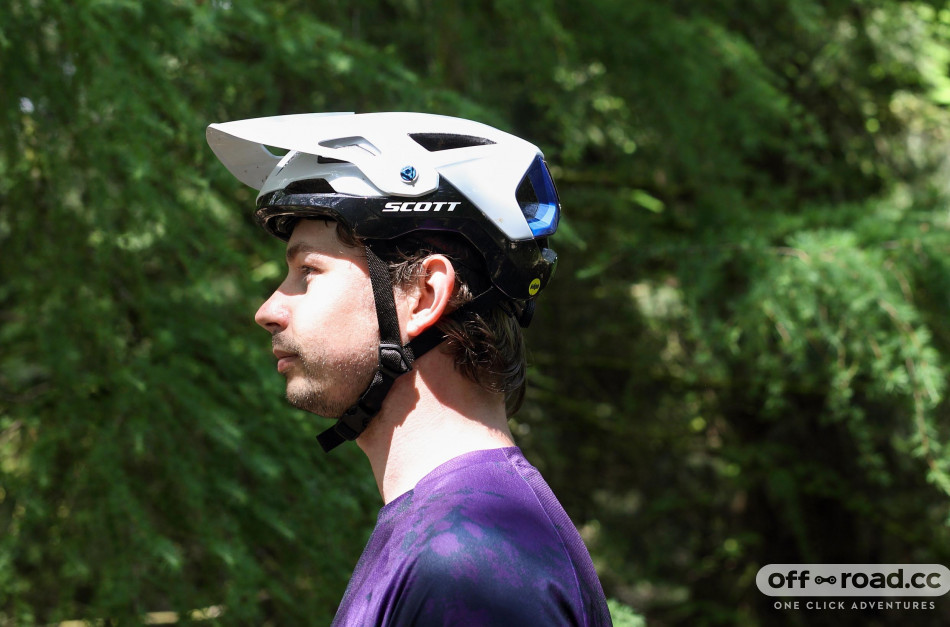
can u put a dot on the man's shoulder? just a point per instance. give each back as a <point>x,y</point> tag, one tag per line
<point>483,499</point>
<point>486,536</point>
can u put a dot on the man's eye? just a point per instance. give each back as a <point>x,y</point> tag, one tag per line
<point>308,270</point>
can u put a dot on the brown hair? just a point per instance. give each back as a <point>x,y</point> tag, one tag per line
<point>488,344</point>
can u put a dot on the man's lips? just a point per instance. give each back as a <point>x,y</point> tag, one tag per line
<point>284,359</point>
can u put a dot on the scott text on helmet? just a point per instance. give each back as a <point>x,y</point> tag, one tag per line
<point>420,206</point>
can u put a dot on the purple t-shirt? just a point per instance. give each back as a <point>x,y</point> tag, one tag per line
<point>481,540</point>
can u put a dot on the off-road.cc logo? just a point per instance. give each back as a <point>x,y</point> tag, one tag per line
<point>853,580</point>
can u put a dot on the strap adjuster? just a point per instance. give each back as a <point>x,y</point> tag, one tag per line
<point>395,359</point>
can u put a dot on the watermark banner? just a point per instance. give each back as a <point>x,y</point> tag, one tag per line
<point>853,580</point>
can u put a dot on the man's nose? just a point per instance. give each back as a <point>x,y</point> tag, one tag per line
<point>273,314</point>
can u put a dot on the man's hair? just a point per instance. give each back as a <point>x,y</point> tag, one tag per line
<point>486,343</point>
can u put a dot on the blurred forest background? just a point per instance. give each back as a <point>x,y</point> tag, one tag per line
<point>742,360</point>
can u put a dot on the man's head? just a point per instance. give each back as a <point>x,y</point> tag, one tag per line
<point>323,324</point>
<point>415,199</point>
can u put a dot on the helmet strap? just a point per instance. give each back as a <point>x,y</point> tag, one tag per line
<point>395,359</point>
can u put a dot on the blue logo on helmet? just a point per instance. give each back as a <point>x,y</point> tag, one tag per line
<point>408,174</point>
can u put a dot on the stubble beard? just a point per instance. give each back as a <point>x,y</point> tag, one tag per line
<point>328,389</point>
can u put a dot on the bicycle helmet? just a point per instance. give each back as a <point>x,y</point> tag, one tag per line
<point>389,175</point>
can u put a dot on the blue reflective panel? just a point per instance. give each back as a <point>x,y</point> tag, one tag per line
<point>543,216</point>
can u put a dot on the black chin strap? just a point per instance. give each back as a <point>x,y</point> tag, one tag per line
<point>395,359</point>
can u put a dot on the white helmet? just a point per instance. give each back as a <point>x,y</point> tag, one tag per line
<point>389,175</point>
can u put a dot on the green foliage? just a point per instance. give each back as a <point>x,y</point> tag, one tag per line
<point>148,461</point>
<point>623,616</point>
<point>742,360</point>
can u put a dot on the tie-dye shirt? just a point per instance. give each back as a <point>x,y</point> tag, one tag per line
<point>481,540</point>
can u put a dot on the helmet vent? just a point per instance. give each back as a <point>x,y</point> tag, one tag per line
<point>525,194</point>
<point>435,142</point>
<point>310,186</point>
<point>538,199</point>
<point>352,142</point>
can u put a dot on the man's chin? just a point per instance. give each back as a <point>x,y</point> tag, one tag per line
<point>314,395</point>
<point>313,402</point>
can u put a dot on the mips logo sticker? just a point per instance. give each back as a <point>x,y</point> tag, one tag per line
<point>853,580</point>
<point>534,287</point>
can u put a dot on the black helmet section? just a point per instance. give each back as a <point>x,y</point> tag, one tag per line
<point>519,269</point>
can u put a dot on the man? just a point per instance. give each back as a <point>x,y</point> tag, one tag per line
<point>416,246</point>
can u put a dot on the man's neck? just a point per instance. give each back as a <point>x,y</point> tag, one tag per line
<point>431,415</point>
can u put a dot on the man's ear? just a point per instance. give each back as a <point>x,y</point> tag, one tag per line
<point>432,291</point>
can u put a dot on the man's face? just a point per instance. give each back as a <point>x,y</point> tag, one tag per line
<point>323,321</point>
